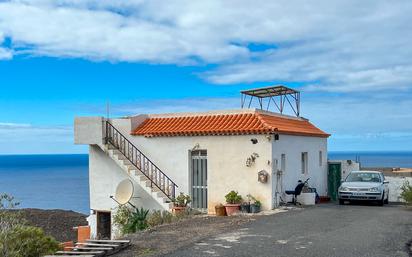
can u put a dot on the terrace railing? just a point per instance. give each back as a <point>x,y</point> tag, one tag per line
<point>156,176</point>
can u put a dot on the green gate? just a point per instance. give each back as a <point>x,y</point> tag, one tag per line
<point>334,179</point>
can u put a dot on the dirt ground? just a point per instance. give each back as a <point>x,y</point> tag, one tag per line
<point>170,237</point>
<point>56,223</point>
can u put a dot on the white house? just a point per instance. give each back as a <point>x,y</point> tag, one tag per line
<point>203,154</point>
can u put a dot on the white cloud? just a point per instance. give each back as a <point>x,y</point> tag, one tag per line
<point>11,125</point>
<point>21,138</point>
<point>331,45</point>
<point>21,132</point>
<point>5,54</point>
<point>339,115</point>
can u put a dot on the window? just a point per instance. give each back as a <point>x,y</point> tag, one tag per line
<point>304,162</point>
<point>283,162</point>
<point>320,158</point>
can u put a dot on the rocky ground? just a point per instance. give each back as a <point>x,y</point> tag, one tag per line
<point>167,238</point>
<point>56,223</point>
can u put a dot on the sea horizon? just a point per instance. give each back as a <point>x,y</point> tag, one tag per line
<point>60,181</point>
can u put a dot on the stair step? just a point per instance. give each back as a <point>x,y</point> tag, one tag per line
<point>127,162</point>
<point>155,189</point>
<point>137,175</point>
<point>120,156</point>
<point>111,147</point>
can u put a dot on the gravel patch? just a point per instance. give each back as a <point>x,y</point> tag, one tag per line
<point>167,238</point>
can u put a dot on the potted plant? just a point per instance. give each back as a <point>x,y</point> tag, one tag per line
<point>255,207</point>
<point>245,207</point>
<point>233,200</point>
<point>220,210</point>
<point>180,203</point>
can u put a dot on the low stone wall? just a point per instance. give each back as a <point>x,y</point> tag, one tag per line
<point>395,184</point>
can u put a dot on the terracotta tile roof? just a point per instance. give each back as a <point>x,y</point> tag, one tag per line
<point>226,124</point>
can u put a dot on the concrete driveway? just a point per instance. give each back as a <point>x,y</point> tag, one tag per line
<point>325,230</point>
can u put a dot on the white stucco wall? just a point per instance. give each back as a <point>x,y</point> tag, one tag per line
<point>227,168</point>
<point>104,176</point>
<point>292,147</point>
<point>395,184</point>
<point>88,130</point>
<point>347,166</point>
<point>226,157</point>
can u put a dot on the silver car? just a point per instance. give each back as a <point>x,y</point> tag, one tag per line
<point>364,186</point>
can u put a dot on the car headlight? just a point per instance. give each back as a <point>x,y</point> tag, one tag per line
<point>343,189</point>
<point>374,189</point>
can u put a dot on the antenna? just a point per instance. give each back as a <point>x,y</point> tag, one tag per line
<point>124,192</point>
<point>107,109</point>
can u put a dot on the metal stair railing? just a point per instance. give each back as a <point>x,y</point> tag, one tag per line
<point>156,176</point>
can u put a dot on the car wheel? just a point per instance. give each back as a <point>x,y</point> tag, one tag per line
<point>382,201</point>
<point>341,202</point>
<point>386,200</point>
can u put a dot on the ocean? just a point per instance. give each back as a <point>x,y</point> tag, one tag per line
<point>376,159</point>
<point>47,181</point>
<point>61,181</point>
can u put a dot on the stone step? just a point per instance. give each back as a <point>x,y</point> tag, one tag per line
<point>137,174</point>
<point>127,162</point>
<point>120,156</point>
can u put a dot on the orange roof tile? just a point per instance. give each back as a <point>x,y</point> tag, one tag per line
<point>227,124</point>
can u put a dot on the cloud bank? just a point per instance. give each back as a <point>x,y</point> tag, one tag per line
<point>22,138</point>
<point>335,46</point>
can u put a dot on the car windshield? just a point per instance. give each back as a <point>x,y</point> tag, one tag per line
<point>363,177</point>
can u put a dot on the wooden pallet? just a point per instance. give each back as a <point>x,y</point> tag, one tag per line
<point>94,248</point>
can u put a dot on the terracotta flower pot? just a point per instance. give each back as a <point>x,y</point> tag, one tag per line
<point>178,210</point>
<point>220,210</point>
<point>232,209</point>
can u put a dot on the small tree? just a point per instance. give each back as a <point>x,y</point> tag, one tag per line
<point>406,193</point>
<point>10,220</point>
<point>17,238</point>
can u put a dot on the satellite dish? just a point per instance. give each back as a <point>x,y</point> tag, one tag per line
<point>124,192</point>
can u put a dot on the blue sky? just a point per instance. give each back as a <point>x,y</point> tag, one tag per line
<point>60,59</point>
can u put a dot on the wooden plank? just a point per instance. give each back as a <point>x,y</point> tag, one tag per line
<point>103,245</point>
<point>109,241</point>
<point>90,248</point>
<point>80,253</point>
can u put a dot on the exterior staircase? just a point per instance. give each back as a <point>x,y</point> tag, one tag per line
<point>144,172</point>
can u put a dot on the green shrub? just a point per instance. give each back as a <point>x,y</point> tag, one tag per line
<point>182,200</point>
<point>159,217</point>
<point>406,193</point>
<point>16,238</point>
<point>167,217</point>
<point>233,197</point>
<point>130,220</point>
<point>122,217</point>
<point>138,221</point>
<point>30,241</point>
